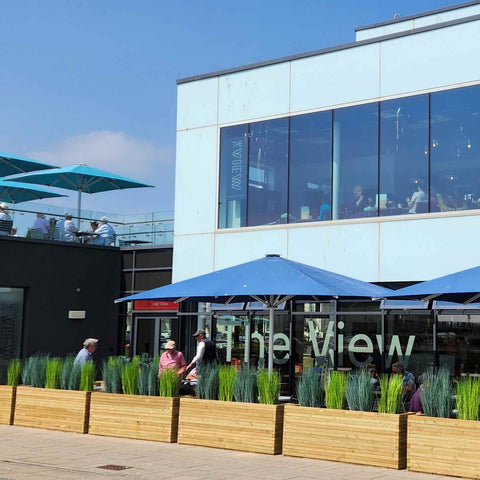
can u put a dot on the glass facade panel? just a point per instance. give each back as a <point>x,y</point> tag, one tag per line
<point>310,167</point>
<point>267,172</point>
<point>233,177</point>
<point>404,156</point>
<point>458,343</point>
<point>455,153</point>
<point>355,161</point>
<point>232,338</point>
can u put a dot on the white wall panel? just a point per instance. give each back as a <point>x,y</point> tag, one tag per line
<point>196,181</point>
<point>197,103</point>
<point>346,249</point>
<point>254,93</point>
<point>192,256</point>
<point>335,78</point>
<point>428,248</point>
<point>238,247</point>
<point>432,59</point>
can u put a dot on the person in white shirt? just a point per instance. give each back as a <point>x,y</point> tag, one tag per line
<point>41,223</point>
<point>70,229</point>
<point>418,197</point>
<point>4,212</point>
<point>104,234</point>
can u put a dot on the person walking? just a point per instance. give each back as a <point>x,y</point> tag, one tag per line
<point>206,351</point>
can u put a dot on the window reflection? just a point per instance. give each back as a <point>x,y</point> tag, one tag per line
<point>355,161</point>
<point>455,158</point>
<point>404,156</point>
<point>310,167</point>
<point>267,172</point>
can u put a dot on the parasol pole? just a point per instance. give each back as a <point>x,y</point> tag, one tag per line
<point>271,311</point>
<point>79,206</point>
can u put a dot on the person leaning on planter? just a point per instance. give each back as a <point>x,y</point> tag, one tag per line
<point>206,351</point>
<point>85,354</point>
<point>172,359</point>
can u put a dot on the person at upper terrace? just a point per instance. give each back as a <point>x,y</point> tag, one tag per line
<point>41,223</point>
<point>418,202</point>
<point>85,354</point>
<point>4,212</point>
<point>70,229</point>
<point>104,234</point>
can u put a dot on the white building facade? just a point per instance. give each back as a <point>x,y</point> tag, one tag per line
<point>362,159</point>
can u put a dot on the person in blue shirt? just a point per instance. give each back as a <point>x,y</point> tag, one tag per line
<point>85,354</point>
<point>408,378</point>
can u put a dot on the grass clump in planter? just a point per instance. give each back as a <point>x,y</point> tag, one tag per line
<point>335,390</point>
<point>130,376</point>
<point>153,379</point>
<point>112,374</point>
<point>14,372</point>
<point>207,386</point>
<point>437,393</point>
<point>391,394</point>
<point>468,398</point>
<point>360,392</point>
<point>34,371</point>
<point>245,388</point>
<point>87,377</point>
<point>268,387</point>
<point>66,372</point>
<point>310,391</point>
<point>75,376</point>
<point>168,383</point>
<point>227,375</point>
<point>53,372</point>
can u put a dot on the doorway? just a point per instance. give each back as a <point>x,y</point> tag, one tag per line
<point>151,333</point>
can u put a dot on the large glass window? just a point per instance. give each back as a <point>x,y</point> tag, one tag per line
<point>267,172</point>
<point>233,177</point>
<point>355,161</point>
<point>455,153</point>
<point>310,167</point>
<point>404,156</point>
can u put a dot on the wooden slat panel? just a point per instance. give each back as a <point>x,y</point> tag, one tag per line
<point>444,446</point>
<point>134,416</point>
<point>65,410</point>
<point>7,404</point>
<point>249,427</point>
<point>365,438</point>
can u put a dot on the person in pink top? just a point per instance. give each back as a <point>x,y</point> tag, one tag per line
<point>171,359</point>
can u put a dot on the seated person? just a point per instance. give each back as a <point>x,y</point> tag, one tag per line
<point>372,371</point>
<point>13,231</point>
<point>92,238</point>
<point>408,379</point>
<point>41,223</point>
<point>70,229</point>
<point>104,234</point>
<point>4,212</point>
<point>419,197</point>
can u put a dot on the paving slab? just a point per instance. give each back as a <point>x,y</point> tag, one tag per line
<point>29,453</point>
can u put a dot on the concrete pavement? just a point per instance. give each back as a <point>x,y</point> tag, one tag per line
<point>29,453</point>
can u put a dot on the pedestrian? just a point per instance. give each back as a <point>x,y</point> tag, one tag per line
<point>85,354</point>
<point>206,351</point>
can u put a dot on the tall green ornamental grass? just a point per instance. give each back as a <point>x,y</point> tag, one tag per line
<point>468,398</point>
<point>207,386</point>
<point>310,391</point>
<point>169,383</point>
<point>391,394</point>
<point>66,371</point>
<point>14,372</point>
<point>268,387</point>
<point>227,375</point>
<point>87,377</point>
<point>437,393</point>
<point>53,372</point>
<point>34,371</point>
<point>75,376</point>
<point>112,374</point>
<point>153,380</point>
<point>245,388</point>
<point>335,390</point>
<point>360,392</point>
<point>130,376</point>
<point>148,377</point>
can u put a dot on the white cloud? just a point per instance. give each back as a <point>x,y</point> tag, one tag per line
<point>119,153</point>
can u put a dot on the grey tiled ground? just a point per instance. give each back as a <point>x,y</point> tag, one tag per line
<point>28,453</point>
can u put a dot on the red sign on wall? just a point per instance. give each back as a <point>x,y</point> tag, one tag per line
<point>155,305</point>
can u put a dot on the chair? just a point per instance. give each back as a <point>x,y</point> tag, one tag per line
<point>55,234</point>
<point>37,233</point>
<point>5,227</point>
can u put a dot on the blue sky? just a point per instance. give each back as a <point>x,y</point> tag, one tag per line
<point>93,81</point>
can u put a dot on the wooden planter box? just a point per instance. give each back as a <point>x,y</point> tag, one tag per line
<point>65,410</point>
<point>249,427</point>
<point>134,416</point>
<point>7,404</point>
<point>444,446</point>
<point>366,438</point>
